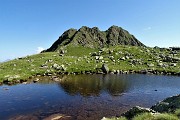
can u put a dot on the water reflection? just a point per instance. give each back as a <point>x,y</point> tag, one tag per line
<point>91,85</point>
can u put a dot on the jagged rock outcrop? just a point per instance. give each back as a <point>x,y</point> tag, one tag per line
<point>94,38</point>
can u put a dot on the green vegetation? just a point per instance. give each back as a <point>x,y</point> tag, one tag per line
<point>87,49</point>
<point>79,60</point>
<point>149,116</point>
<point>158,116</point>
<point>114,118</point>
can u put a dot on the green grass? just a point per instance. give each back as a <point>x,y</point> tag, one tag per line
<point>114,118</point>
<point>158,116</point>
<point>82,59</point>
<point>177,113</point>
<point>149,116</point>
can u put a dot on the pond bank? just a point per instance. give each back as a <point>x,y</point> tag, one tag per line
<point>168,109</point>
<point>54,76</point>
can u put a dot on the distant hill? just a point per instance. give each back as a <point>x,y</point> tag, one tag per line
<point>94,38</point>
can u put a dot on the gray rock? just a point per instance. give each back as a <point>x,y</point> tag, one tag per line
<point>55,65</point>
<point>61,51</point>
<point>151,65</point>
<point>36,80</point>
<point>137,110</point>
<point>173,64</point>
<point>127,57</point>
<point>94,54</point>
<point>63,67</point>
<point>100,57</point>
<point>117,71</point>
<point>144,71</point>
<point>123,58</point>
<point>44,66</point>
<point>97,57</point>
<point>168,105</point>
<point>105,68</point>
<point>160,64</point>
<point>58,68</point>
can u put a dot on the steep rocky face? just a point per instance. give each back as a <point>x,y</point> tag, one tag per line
<point>94,38</point>
<point>118,36</point>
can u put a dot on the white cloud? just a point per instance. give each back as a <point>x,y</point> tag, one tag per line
<point>148,28</point>
<point>39,49</point>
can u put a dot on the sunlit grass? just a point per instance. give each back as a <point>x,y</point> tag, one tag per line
<point>81,59</point>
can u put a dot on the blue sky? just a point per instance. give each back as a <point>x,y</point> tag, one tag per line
<point>29,25</point>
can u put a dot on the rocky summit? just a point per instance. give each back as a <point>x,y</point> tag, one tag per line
<point>94,38</point>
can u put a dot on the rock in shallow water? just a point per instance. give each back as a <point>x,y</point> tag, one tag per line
<point>23,117</point>
<point>58,117</point>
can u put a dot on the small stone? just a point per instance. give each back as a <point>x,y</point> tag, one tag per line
<point>55,65</point>
<point>123,58</point>
<point>100,57</point>
<point>173,64</point>
<point>24,82</point>
<point>126,57</point>
<point>151,65</point>
<point>105,68</point>
<point>5,88</point>
<point>36,80</point>
<point>97,57</point>
<point>160,64</point>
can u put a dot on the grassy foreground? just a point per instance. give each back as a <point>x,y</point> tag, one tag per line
<point>80,60</point>
<point>150,116</point>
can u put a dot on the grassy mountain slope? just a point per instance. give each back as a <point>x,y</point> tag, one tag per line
<point>79,59</point>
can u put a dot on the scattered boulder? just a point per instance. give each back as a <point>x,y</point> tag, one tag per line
<point>160,64</point>
<point>36,80</point>
<point>105,68</point>
<point>61,51</point>
<point>173,64</point>
<point>171,59</point>
<point>100,57</point>
<point>63,68</point>
<point>55,65</point>
<point>126,57</point>
<point>94,54</point>
<point>58,67</point>
<point>144,71</point>
<point>150,65</point>
<point>97,57</point>
<point>44,66</point>
<point>123,58</point>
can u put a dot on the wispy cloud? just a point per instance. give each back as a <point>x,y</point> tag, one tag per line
<point>148,28</point>
<point>39,49</point>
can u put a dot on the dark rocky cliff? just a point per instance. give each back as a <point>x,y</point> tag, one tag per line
<point>94,38</point>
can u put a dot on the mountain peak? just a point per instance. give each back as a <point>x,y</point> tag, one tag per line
<point>94,38</point>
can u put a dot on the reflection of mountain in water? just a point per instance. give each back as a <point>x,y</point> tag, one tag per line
<point>93,85</point>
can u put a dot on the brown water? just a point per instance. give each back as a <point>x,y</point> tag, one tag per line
<point>89,97</point>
